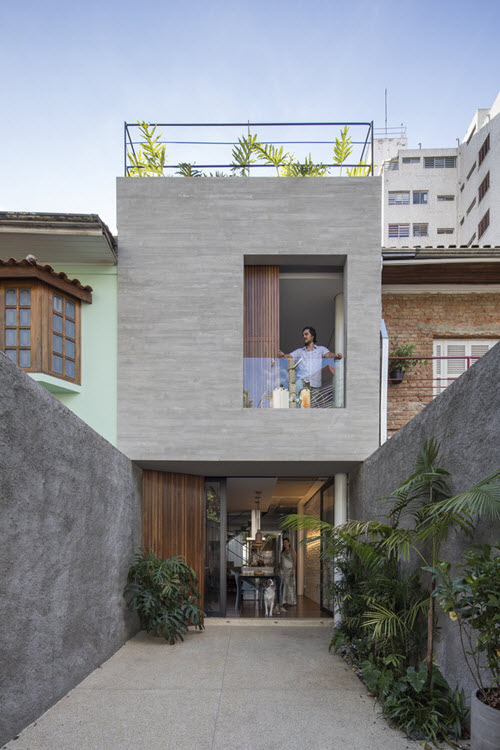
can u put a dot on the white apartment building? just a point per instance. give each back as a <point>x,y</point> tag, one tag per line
<point>443,196</point>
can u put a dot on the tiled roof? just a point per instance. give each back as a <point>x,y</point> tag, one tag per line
<point>34,268</point>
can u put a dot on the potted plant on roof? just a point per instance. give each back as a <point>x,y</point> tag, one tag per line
<point>399,362</point>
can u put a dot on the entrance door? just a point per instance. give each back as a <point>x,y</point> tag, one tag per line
<point>215,576</point>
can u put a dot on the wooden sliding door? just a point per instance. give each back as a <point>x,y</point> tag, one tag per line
<point>261,334</point>
<point>261,311</point>
<point>173,518</point>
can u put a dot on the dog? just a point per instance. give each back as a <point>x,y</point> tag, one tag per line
<point>270,598</point>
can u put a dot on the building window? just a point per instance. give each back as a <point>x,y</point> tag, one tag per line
<point>63,354</point>
<point>445,230</point>
<point>446,197</point>
<point>471,240</point>
<point>420,230</point>
<point>17,325</point>
<point>393,165</point>
<point>483,224</point>
<point>399,230</point>
<point>440,162</point>
<point>471,170</point>
<point>411,159</point>
<point>464,352</point>
<point>462,221</point>
<point>483,150</point>
<point>473,203</point>
<point>483,188</point>
<point>420,196</point>
<point>40,327</point>
<point>401,198</point>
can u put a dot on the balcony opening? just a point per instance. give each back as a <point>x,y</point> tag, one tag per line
<point>281,369</point>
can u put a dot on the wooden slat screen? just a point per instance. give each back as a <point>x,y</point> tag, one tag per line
<point>173,518</point>
<point>261,311</point>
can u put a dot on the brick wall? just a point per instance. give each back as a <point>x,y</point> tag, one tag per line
<point>312,565</point>
<point>419,319</point>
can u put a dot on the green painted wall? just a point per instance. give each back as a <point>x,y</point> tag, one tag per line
<point>96,404</point>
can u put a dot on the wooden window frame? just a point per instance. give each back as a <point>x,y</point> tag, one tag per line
<point>42,295</point>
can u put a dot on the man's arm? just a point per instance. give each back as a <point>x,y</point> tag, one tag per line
<point>332,355</point>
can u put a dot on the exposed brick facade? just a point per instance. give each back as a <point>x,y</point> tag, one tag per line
<point>312,563</point>
<point>419,319</point>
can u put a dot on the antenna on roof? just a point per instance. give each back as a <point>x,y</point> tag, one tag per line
<point>386,111</point>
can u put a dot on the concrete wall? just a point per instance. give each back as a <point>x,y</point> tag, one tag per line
<point>465,421</point>
<point>70,517</point>
<point>182,247</point>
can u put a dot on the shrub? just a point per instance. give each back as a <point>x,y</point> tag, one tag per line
<point>164,594</point>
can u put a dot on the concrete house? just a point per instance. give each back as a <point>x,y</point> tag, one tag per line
<point>215,277</point>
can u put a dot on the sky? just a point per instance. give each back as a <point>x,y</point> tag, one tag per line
<point>72,73</point>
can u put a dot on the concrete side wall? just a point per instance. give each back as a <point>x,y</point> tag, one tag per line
<point>70,517</point>
<point>182,245</point>
<point>465,421</point>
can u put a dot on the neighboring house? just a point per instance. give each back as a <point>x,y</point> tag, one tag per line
<point>446,303</point>
<point>441,196</point>
<point>58,301</point>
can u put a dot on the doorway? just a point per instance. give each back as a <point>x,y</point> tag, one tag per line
<point>237,560</point>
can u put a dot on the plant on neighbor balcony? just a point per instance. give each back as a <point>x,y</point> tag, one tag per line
<point>164,595</point>
<point>399,362</point>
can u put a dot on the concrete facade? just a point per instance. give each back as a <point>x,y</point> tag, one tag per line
<point>465,421</point>
<point>70,516</point>
<point>183,246</point>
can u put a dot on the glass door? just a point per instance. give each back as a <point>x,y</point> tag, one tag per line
<point>215,547</point>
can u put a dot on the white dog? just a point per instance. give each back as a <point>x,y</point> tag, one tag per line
<point>270,598</point>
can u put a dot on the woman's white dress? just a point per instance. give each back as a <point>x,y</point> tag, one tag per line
<point>289,590</point>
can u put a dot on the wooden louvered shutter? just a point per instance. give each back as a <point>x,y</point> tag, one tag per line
<point>261,311</point>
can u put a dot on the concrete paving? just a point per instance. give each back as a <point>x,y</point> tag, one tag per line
<point>231,687</point>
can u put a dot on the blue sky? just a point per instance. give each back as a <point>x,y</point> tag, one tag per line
<point>72,73</point>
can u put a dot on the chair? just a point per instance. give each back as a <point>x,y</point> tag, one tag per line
<point>244,585</point>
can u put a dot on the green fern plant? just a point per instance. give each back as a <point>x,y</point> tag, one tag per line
<point>164,594</point>
<point>150,161</point>
<point>342,147</point>
<point>307,168</point>
<point>361,170</point>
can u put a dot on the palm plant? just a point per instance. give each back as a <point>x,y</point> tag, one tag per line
<point>243,153</point>
<point>342,148</point>
<point>150,161</point>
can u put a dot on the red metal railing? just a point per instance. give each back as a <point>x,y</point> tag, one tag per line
<point>412,388</point>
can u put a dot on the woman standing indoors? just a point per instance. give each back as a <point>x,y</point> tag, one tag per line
<point>288,564</point>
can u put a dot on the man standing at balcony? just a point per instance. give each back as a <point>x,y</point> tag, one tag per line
<point>309,368</point>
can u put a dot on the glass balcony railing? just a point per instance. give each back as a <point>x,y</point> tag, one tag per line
<point>284,383</point>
